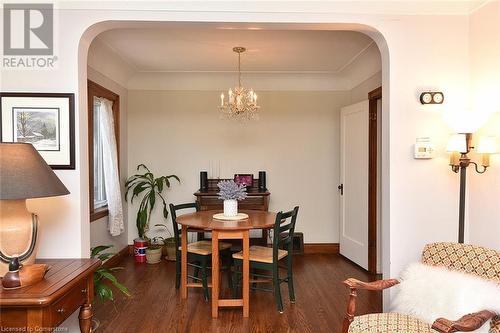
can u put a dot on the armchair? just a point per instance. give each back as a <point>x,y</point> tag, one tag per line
<point>469,259</point>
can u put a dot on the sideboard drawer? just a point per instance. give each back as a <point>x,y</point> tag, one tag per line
<point>251,202</point>
<point>68,303</point>
<point>210,201</point>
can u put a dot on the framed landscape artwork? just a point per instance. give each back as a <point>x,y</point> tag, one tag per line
<point>47,121</point>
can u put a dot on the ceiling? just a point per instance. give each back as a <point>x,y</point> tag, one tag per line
<point>208,48</point>
<point>368,7</point>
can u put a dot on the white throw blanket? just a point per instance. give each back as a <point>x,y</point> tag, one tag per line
<point>429,293</point>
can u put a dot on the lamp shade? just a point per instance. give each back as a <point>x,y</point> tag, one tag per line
<point>24,174</point>
<point>457,143</point>
<point>487,145</point>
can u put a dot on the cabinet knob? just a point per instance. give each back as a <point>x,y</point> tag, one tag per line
<point>84,290</point>
<point>60,311</point>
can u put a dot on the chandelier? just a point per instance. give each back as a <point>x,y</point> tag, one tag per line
<point>241,103</point>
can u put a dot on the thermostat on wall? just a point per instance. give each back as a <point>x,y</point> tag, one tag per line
<point>424,148</point>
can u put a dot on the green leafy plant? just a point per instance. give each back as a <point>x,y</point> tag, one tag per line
<point>150,188</point>
<point>161,239</point>
<point>103,276</point>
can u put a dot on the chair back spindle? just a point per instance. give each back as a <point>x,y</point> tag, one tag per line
<point>175,225</point>
<point>283,230</point>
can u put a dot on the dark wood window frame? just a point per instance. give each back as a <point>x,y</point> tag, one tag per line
<point>96,90</point>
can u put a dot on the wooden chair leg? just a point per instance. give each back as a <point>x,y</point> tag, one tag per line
<point>204,279</point>
<point>230,278</point>
<point>196,272</point>
<point>227,257</point>
<point>236,280</point>
<point>254,284</point>
<point>351,308</point>
<point>177,271</point>
<point>277,290</point>
<point>291,291</point>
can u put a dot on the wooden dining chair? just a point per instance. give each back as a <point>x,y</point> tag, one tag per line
<point>199,253</point>
<point>268,259</point>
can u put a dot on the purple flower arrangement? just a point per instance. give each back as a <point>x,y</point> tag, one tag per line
<point>229,190</point>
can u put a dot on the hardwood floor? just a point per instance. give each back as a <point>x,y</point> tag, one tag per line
<point>155,305</point>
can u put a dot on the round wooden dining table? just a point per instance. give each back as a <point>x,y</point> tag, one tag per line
<point>204,220</point>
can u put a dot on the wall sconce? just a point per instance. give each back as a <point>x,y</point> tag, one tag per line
<point>460,146</point>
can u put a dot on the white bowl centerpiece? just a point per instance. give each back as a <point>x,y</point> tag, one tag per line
<point>231,193</point>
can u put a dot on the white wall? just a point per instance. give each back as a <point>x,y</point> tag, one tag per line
<point>296,140</point>
<point>484,190</point>
<point>360,92</point>
<point>411,62</point>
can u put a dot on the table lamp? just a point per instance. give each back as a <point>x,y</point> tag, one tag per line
<point>24,174</point>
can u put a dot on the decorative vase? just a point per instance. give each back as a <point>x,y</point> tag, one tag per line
<point>230,208</point>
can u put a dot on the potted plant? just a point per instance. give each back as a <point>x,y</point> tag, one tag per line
<point>151,189</point>
<point>231,193</point>
<point>153,253</point>
<point>168,243</point>
<point>104,279</point>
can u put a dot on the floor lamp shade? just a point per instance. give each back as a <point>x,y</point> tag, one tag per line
<point>24,174</point>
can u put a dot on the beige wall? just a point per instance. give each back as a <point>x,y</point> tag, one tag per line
<point>484,190</point>
<point>360,92</point>
<point>99,234</point>
<point>296,141</point>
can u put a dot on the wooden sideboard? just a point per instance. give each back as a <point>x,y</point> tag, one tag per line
<point>256,200</point>
<point>67,286</point>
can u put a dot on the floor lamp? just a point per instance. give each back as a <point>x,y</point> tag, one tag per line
<point>460,145</point>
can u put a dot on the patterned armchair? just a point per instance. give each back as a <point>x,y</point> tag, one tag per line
<point>469,259</point>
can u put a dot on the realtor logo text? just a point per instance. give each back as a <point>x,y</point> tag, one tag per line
<point>28,36</point>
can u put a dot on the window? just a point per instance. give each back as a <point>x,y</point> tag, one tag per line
<point>99,186</point>
<point>98,203</point>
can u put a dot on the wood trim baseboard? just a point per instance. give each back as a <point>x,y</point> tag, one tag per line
<point>321,248</point>
<point>111,262</point>
<point>310,248</point>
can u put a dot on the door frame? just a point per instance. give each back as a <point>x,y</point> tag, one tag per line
<point>373,97</point>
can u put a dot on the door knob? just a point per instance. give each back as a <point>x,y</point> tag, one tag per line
<point>341,189</point>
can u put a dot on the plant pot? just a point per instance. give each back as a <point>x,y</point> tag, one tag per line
<point>170,249</point>
<point>230,208</point>
<point>164,251</point>
<point>153,255</point>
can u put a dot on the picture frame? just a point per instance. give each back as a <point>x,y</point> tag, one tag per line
<point>46,120</point>
<point>244,179</point>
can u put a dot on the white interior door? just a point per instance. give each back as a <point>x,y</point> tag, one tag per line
<point>354,179</point>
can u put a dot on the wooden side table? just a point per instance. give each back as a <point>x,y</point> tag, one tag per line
<point>68,285</point>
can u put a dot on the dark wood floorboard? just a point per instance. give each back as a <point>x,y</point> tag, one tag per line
<point>155,305</point>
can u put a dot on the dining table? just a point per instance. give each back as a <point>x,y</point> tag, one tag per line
<point>222,229</point>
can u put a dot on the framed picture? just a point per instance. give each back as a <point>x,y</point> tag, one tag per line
<point>244,179</point>
<point>47,121</point>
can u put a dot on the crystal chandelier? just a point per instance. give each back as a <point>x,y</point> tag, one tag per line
<point>241,102</point>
